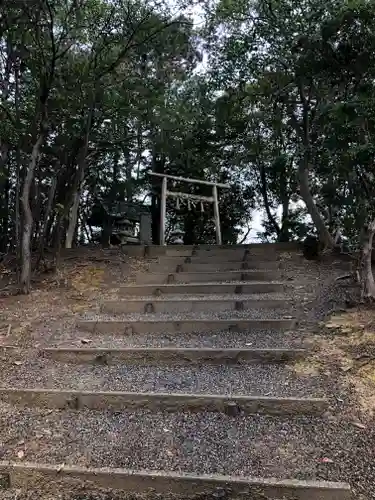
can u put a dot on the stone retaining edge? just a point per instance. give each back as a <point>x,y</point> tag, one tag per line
<point>231,405</point>
<point>26,475</point>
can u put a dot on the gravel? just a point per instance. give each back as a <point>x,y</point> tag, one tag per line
<point>81,492</point>
<point>261,445</point>
<point>208,297</point>
<point>247,379</point>
<point>182,442</point>
<point>265,313</point>
<point>247,339</point>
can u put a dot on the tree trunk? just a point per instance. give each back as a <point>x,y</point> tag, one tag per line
<point>28,217</point>
<point>47,217</point>
<point>284,235</point>
<point>323,233</point>
<point>4,198</point>
<point>79,179</point>
<point>73,218</point>
<point>266,202</point>
<point>368,283</point>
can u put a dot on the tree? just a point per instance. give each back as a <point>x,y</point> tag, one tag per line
<point>312,67</point>
<point>74,72</point>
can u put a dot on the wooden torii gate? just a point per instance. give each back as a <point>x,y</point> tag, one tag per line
<point>206,199</point>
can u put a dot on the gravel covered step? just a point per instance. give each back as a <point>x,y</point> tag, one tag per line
<point>171,355</point>
<point>171,448</point>
<point>245,379</point>
<point>169,402</point>
<point>203,288</point>
<point>125,327</point>
<point>118,484</point>
<point>204,276</point>
<point>169,305</point>
<point>203,259</point>
<point>256,338</point>
<point>180,265</point>
<point>209,250</point>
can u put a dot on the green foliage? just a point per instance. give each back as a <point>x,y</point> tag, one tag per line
<point>299,83</point>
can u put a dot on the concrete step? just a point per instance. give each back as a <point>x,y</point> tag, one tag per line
<point>226,250</point>
<point>209,251</point>
<point>204,276</point>
<point>202,288</point>
<point>177,265</point>
<point>244,339</point>
<point>167,455</point>
<point>125,327</point>
<point>238,379</point>
<point>28,476</point>
<point>176,251</point>
<point>171,355</point>
<point>203,259</point>
<point>188,305</point>
<point>163,401</point>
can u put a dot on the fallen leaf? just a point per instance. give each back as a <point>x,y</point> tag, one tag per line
<point>359,425</point>
<point>20,454</point>
<point>346,368</point>
<point>326,460</point>
<point>346,330</point>
<point>17,363</point>
<point>332,325</point>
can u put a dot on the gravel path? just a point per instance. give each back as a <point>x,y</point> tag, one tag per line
<point>266,313</point>
<point>255,339</point>
<point>212,442</point>
<point>80,492</point>
<point>208,297</point>
<point>194,443</point>
<point>241,379</point>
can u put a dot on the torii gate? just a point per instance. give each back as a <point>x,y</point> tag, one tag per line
<point>207,199</point>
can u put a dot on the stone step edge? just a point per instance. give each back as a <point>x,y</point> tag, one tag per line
<point>194,298</point>
<point>172,354</point>
<point>204,283</point>
<point>170,305</point>
<point>118,400</point>
<point>230,272</point>
<point>126,327</point>
<point>213,266</point>
<point>24,475</point>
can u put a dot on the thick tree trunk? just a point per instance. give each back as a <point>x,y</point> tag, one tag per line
<point>284,235</point>
<point>79,179</point>
<point>266,202</point>
<point>4,197</point>
<point>73,218</point>
<point>284,231</point>
<point>47,217</point>
<point>28,217</point>
<point>323,233</point>
<point>368,283</point>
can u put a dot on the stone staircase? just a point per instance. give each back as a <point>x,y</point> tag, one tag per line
<point>182,389</point>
